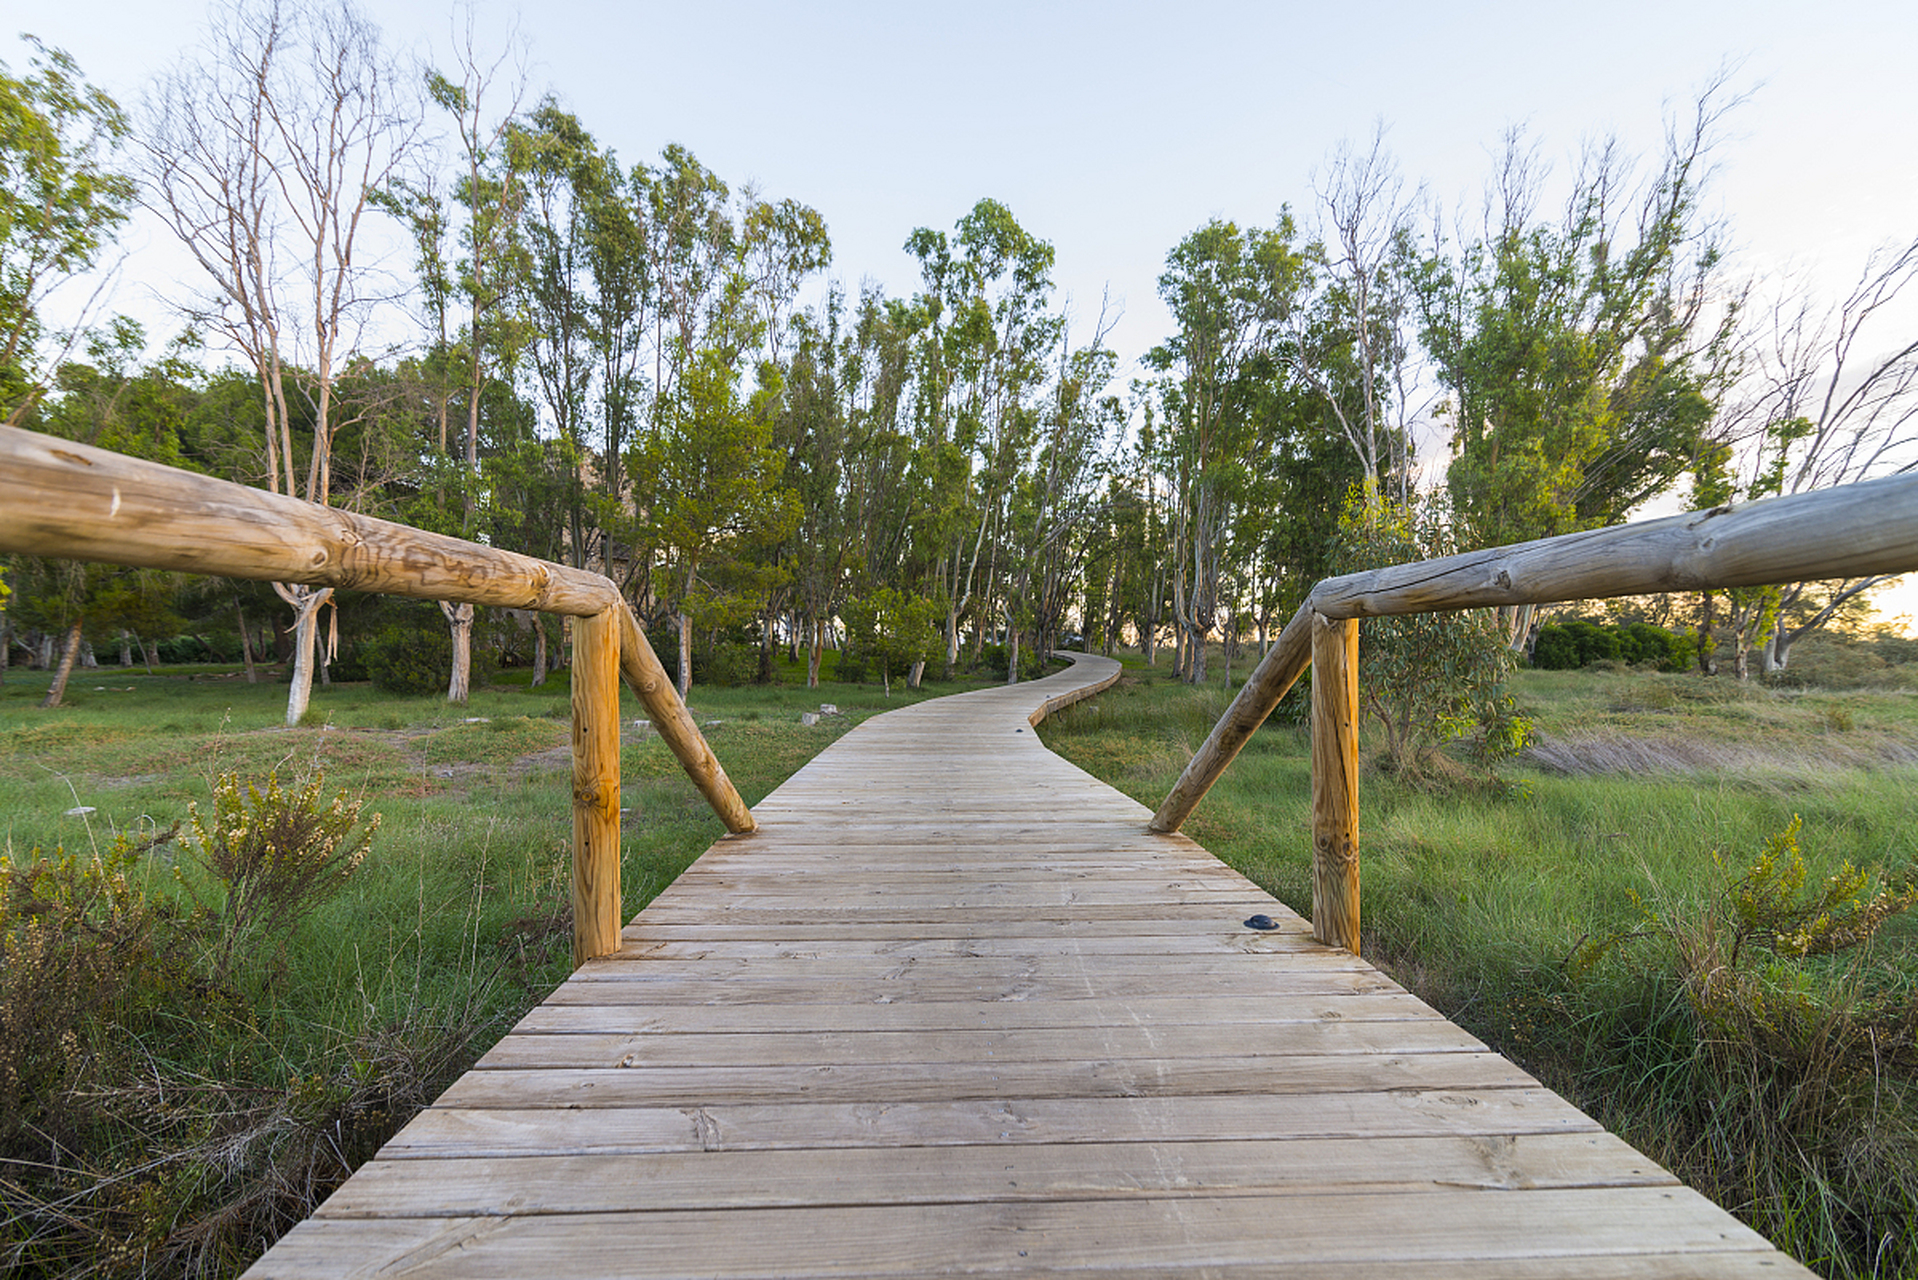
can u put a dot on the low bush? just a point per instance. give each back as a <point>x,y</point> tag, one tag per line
<point>1784,1075</point>
<point>408,660</point>
<point>153,1119</point>
<point>1579,642</point>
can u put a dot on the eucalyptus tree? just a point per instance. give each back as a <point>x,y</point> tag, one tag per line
<point>1059,497</point>
<point>565,175</point>
<point>707,477</point>
<point>1832,396</point>
<point>1584,356</point>
<point>488,192</point>
<point>264,151</point>
<point>62,199</point>
<point>1231,293</point>
<point>1353,344</point>
<point>987,340</point>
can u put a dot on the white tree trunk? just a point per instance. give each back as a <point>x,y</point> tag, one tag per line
<point>685,655</point>
<point>306,602</point>
<point>459,618</point>
<point>58,689</point>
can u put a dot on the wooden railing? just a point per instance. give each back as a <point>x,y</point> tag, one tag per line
<point>75,502</point>
<point>1853,531</point>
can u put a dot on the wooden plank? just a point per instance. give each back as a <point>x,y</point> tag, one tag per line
<point>784,911</point>
<point>603,985</point>
<point>924,1032</point>
<point>762,1179</point>
<point>1021,1237</point>
<point>644,1086</point>
<point>444,1131</point>
<point>1038,960</point>
<point>646,930</point>
<point>531,1050</point>
<point>1245,942</point>
<point>554,1018</point>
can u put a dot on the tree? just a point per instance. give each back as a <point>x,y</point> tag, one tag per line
<point>712,482</point>
<point>1230,292</point>
<point>264,154</point>
<point>984,336</point>
<point>489,193</point>
<point>1426,678</point>
<point>898,628</point>
<point>1583,365</point>
<point>1831,403</point>
<point>61,201</point>
<point>1057,499</point>
<point>1352,345</point>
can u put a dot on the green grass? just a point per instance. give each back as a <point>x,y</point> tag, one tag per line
<point>1645,797</point>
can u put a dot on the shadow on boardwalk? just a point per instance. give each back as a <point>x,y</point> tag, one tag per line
<point>952,1011</point>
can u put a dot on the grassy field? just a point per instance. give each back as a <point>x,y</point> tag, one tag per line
<point>179,1084</point>
<point>1595,913</point>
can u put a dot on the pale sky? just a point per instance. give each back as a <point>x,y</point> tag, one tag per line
<point>1112,130</point>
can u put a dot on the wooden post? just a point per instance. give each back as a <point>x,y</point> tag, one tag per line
<point>640,665</point>
<point>1261,692</point>
<point>596,922</point>
<point>1335,768</point>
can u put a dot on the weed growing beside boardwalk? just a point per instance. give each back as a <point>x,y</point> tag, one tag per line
<point>199,1039</point>
<point>1579,912</point>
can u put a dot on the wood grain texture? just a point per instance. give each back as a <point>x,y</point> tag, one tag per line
<point>951,1011</point>
<point>1335,782</point>
<point>75,502</point>
<point>641,669</point>
<point>596,843</point>
<point>1850,531</point>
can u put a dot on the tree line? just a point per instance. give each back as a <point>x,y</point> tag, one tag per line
<point>637,367</point>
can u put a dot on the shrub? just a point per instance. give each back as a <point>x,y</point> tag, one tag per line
<point>150,1117</point>
<point>409,660</point>
<point>276,855</point>
<point>1784,1073</point>
<point>1426,678</point>
<point>1578,642</point>
<point>84,948</point>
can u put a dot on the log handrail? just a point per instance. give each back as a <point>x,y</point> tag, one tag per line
<point>72,501</point>
<point>1854,530</point>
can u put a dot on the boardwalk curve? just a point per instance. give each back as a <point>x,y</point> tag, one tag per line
<point>952,1011</point>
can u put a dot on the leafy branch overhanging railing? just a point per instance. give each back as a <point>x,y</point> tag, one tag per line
<point>75,502</point>
<point>1850,531</point>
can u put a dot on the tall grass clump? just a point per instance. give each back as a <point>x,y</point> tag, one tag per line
<point>1765,1050</point>
<point>160,1112</point>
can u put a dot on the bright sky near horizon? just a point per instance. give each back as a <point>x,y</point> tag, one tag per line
<point>1114,129</point>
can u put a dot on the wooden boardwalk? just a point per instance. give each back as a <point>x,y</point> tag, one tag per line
<point>952,1012</point>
